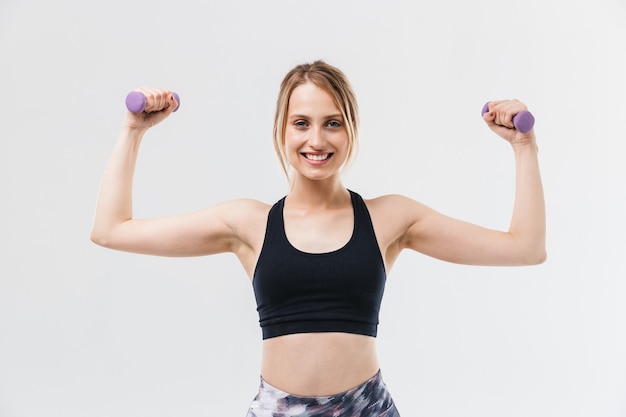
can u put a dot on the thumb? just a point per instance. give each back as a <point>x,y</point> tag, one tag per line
<point>172,104</point>
<point>489,117</point>
<point>174,101</point>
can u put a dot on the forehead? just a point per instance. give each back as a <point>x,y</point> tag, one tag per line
<point>308,98</point>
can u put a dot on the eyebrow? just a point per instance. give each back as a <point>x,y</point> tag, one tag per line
<point>302,116</point>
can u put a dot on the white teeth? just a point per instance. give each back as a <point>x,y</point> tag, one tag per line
<point>317,157</point>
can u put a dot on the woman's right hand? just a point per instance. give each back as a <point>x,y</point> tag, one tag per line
<point>159,105</point>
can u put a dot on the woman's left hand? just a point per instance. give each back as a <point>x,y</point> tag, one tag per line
<point>499,118</point>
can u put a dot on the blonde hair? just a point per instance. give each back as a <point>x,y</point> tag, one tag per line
<point>334,82</point>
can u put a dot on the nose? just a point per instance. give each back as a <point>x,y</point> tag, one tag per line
<point>317,139</point>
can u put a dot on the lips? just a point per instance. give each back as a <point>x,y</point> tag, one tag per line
<point>317,157</point>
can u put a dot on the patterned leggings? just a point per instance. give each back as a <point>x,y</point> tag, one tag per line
<point>370,399</point>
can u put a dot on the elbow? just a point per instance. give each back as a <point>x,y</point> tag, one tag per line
<point>544,256</point>
<point>539,259</point>
<point>99,238</point>
<point>96,238</point>
<point>536,256</point>
<point>108,236</point>
<point>528,250</point>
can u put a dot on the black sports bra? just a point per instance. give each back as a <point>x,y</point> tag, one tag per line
<point>338,291</point>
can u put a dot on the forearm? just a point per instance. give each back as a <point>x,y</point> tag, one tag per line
<point>528,222</point>
<point>114,205</point>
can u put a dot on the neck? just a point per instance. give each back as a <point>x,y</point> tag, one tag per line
<point>328,193</point>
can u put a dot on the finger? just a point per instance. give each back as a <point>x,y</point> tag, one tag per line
<point>505,110</point>
<point>175,101</point>
<point>156,99</point>
<point>489,111</point>
<point>171,104</point>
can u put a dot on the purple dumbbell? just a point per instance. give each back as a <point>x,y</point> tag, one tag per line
<point>136,101</point>
<point>523,121</point>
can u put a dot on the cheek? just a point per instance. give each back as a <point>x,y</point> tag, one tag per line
<point>289,147</point>
<point>341,141</point>
<point>294,139</point>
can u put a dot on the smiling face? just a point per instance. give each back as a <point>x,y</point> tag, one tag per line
<point>335,97</point>
<point>316,139</point>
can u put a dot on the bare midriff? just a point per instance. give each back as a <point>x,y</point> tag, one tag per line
<point>318,364</point>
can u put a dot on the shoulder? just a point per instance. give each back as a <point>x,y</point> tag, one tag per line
<point>394,204</point>
<point>240,227</point>
<point>235,218</point>
<point>246,219</point>
<point>393,217</point>
<point>394,214</point>
<point>247,204</point>
<point>244,210</point>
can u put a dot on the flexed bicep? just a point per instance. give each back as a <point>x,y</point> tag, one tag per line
<point>215,229</point>
<point>458,241</point>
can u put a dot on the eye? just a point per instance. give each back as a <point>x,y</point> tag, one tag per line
<point>300,123</point>
<point>333,123</point>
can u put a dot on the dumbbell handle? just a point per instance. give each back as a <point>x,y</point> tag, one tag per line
<point>136,101</point>
<point>523,121</point>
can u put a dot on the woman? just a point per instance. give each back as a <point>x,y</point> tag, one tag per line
<point>318,258</point>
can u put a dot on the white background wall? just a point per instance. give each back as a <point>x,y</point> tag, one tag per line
<point>90,332</point>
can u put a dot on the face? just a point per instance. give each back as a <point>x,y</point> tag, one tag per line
<point>316,140</point>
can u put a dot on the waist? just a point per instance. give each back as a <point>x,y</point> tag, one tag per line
<point>318,364</point>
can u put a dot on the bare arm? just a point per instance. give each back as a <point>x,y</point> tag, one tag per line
<point>212,230</point>
<point>456,241</point>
